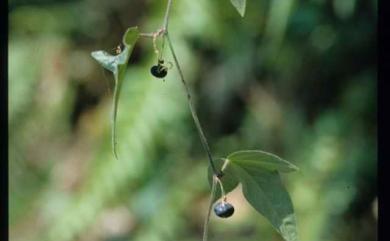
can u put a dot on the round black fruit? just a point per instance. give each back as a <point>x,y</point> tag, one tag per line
<point>223,209</point>
<point>158,71</point>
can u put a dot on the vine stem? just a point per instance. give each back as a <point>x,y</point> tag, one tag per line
<point>207,219</point>
<point>216,173</point>
<point>164,32</point>
<point>202,136</point>
<point>192,109</point>
<point>167,13</point>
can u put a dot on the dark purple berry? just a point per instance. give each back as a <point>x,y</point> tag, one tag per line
<point>158,71</point>
<point>223,209</point>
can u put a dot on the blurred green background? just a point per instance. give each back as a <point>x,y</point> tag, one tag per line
<point>296,78</point>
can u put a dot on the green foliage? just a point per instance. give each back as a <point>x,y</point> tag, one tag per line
<point>265,192</point>
<point>117,65</point>
<point>109,180</point>
<point>296,79</point>
<point>258,172</point>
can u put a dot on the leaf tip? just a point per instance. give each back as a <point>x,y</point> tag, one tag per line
<point>131,35</point>
<point>94,54</point>
<point>240,6</point>
<point>291,168</point>
<point>295,168</point>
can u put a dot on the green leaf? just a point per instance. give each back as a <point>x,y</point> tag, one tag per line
<point>264,191</point>
<point>105,59</point>
<point>117,65</point>
<point>262,160</point>
<point>240,5</point>
<point>258,173</point>
<point>229,181</point>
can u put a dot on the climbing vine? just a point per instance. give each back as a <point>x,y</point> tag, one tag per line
<point>257,171</point>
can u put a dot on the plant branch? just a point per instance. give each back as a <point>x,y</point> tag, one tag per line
<point>192,109</point>
<point>216,174</point>
<point>166,17</point>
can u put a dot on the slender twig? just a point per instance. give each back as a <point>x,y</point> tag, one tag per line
<point>192,109</point>
<point>207,219</point>
<point>166,17</point>
<point>216,174</point>
<point>186,88</point>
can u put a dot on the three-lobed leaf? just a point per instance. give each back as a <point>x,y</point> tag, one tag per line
<point>240,5</point>
<point>258,173</point>
<point>117,65</point>
<point>264,190</point>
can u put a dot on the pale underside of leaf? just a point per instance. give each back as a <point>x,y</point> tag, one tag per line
<point>262,159</point>
<point>107,60</point>
<point>240,5</point>
<point>117,65</point>
<point>264,191</point>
